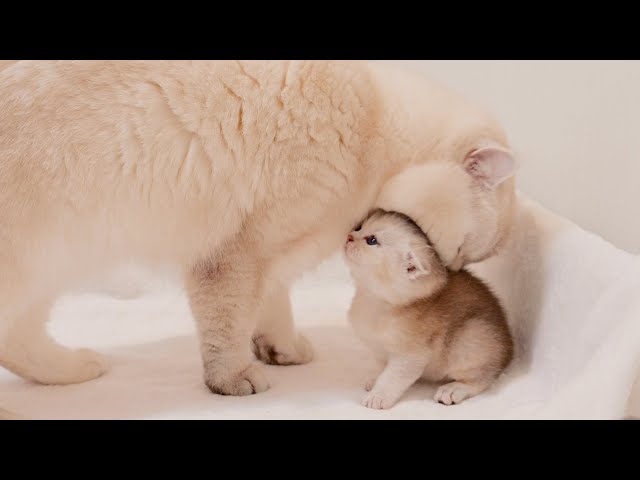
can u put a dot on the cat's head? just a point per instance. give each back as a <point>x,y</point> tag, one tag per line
<point>390,255</point>
<point>466,208</point>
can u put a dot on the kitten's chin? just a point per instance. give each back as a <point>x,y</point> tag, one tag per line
<point>348,255</point>
<point>353,267</point>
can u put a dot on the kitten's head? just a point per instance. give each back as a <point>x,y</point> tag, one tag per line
<point>466,209</point>
<point>391,256</point>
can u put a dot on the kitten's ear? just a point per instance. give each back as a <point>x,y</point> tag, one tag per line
<point>416,263</point>
<point>490,165</point>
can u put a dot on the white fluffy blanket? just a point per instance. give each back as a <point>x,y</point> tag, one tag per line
<point>572,298</point>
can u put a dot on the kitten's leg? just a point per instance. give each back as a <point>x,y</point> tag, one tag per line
<point>467,382</point>
<point>399,374</point>
<point>381,363</point>
<point>28,351</point>
<point>224,297</point>
<point>455,392</point>
<point>275,340</point>
<point>473,363</point>
<point>370,383</point>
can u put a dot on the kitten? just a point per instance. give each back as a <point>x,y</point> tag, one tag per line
<point>421,319</point>
<point>236,173</point>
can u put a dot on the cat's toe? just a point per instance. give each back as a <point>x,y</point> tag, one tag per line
<point>369,384</point>
<point>454,392</point>
<point>376,402</point>
<point>295,353</point>
<point>249,381</point>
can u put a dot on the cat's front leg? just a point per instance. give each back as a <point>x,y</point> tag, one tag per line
<point>224,296</point>
<point>381,364</point>
<point>400,373</point>
<point>275,340</point>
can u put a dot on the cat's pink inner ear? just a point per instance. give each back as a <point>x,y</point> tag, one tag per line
<point>490,165</point>
<point>414,267</point>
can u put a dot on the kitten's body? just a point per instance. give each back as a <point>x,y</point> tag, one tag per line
<point>236,172</point>
<point>460,331</point>
<point>420,319</point>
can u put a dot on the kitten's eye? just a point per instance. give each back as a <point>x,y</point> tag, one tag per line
<point>372,240</point>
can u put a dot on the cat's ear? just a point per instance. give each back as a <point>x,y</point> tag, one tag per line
<point>490,165</point>
<point>416,263</point>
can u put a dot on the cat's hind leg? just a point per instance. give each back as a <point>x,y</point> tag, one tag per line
<point>275,340</point>
<point>476,358</point>
<point>453,393</point>
<point>400,373</point>
<point>7,415</point>
<point>27,349</point>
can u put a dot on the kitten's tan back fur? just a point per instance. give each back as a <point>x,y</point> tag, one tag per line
<point>464,322</point>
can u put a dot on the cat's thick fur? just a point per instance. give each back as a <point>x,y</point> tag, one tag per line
<point>244,174</point>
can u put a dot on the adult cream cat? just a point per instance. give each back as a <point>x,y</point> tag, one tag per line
<point>244,174</point>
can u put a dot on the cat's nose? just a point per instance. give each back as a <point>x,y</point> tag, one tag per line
<point>349,238</point>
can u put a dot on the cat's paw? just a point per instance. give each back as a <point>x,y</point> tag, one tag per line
<point>377,401</point>
<point>295,353</point>
<point>370,383</point>
<point>455,392</point>
<point>62,366</point>
<point>89,365</point>
<point>249,381</point>
<point>7,415</point>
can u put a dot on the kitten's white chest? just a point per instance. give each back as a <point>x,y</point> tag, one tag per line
<point>373,324</point>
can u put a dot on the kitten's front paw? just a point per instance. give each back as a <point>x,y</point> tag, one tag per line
<point>250,380</point>
<point>377,401</point>
<point>455,392</point>
<point>296,353</point>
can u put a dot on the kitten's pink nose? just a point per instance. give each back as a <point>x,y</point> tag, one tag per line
<point>349,238</point>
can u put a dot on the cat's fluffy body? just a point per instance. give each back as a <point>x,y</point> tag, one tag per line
<point>243,174</point>
<point>420,319</point>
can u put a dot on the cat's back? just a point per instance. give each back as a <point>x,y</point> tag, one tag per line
<point>467,296</point>
<point>463,299</point>
<point>143,149</point>
<point>465,312</point>
<point>65,113</point>
<point>56,102</point>
<point>57,114</point>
